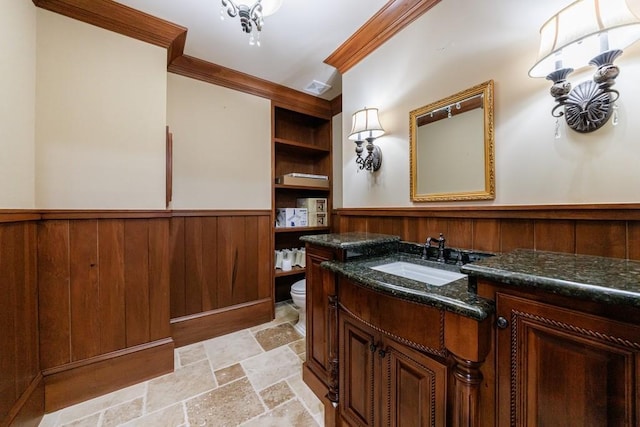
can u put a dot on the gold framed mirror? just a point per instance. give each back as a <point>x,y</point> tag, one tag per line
<point>452,147</point>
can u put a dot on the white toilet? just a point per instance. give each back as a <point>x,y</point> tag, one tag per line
<point>298,295</point>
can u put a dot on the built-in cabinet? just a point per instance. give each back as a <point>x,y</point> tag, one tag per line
<point>565,362</point>
<point>384,382</point>
<point>301,144</point>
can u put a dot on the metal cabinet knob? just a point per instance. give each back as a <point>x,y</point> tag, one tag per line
<point>373,347</point>
<point>382,353</point>
<point>502,323</point>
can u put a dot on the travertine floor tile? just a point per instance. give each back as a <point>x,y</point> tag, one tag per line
<point>98,404</point>
<point>192,353</point>
<point>182,384</point>
<point>299,346</point>
<point>278,335</point>
<point>271,367</point>
<point>285,313</point>
<point>228,374</point>
<point>90,421</point>
<point>230,349</point>
<point>122,413</point>
<point>229,405</point>
<point>276,394</point>
<point>291,414</point>
<point>173,416</point>
<point>313,404</point>
<point>224,381</point>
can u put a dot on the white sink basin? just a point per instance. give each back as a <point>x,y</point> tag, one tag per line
<point>421,273</point>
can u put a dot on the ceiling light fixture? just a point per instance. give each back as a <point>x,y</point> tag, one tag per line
<point>250,15</point>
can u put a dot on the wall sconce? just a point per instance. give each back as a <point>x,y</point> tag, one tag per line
<point>590,32</point>
<point>366,127</point>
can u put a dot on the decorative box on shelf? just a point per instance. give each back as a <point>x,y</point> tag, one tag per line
<point>291,217</point>
<point>316,210</point>
<point>313,204</point>
<point>317,219</point>
<point>304,179</point>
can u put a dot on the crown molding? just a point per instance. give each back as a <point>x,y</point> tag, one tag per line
<point>393,17</point>
<point>199,69</point>
<point>123,20</point>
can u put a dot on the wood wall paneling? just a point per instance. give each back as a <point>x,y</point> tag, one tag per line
<point>112,290</point>
<point>604,230</point>
<point>177,260</point>
<point>84,289</point>
<point>136,267</point>
<point>20,379</point>
<point>159,280</point>
<point>602,238</point>
<point>54,293</point>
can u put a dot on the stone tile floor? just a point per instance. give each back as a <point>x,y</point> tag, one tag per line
<point>248,378</point>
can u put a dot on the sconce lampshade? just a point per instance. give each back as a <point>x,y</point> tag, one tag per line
<point>365,125</point>
<point>582,30</point>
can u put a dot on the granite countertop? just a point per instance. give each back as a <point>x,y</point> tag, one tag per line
<point>355,240</point>
<point>599,279</point>
<point>453,297</point>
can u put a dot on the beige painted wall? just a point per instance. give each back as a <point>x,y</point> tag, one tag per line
<point>17,109</point>
<point>446,51</point>
<point>221,146</point>
<point>101,116</point>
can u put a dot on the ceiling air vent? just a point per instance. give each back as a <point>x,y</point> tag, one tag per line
<point>317,88</point>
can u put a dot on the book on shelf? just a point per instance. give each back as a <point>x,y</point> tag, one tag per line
<point>306,175</point>
<point>294,180</point>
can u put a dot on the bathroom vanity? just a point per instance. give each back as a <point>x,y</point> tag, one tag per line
<point>528,338</point>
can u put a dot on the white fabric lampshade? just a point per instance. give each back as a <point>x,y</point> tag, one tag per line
<point>582,30</point>
<point>365,124</point>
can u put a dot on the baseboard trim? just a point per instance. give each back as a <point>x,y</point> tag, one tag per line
<point>210,324</point>
<point>76,382</point>
<point>28,410</point>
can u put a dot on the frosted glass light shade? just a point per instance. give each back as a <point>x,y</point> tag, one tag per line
<point>582,30</point>
<point>269,7</point>
<point>365,124</point>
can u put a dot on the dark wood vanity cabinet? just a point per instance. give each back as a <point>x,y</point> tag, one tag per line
<point>321,320</point>
<point>564,362</point>
<point>386,383</point>
<point>392,371</point>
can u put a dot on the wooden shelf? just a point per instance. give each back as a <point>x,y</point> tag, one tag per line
<point>301,143</point>
<point>292,272</point>
<point>299,187</point>
<point>300,147</point>
<point>300,229</point>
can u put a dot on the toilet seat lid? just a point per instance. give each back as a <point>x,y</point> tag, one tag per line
<point>300,286</point>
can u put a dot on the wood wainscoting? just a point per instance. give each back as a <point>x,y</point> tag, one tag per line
<point>103,281</point>
<point>21,384</point>
<point>93,301</point>
<point>220,273</point>
<point>611,230</point>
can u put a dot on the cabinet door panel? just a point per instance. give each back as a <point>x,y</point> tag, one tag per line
<point>415,388</point>
<point>357,372</point>
<point>562,367</point>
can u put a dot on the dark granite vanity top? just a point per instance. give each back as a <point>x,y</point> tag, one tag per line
<point>355,240</point>
<point>607,280</point>
<point>452,297</point>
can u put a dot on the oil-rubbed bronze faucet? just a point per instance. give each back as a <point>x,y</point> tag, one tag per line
<point>427,245</point>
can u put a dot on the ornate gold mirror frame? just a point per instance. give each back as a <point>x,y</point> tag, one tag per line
<point>452,147</point>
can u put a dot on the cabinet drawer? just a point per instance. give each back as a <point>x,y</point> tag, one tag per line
<point>417,325</point>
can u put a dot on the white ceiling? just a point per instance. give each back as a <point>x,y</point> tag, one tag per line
<point>294,41</point>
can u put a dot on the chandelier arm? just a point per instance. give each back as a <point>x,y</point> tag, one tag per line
<point>232,9</point>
